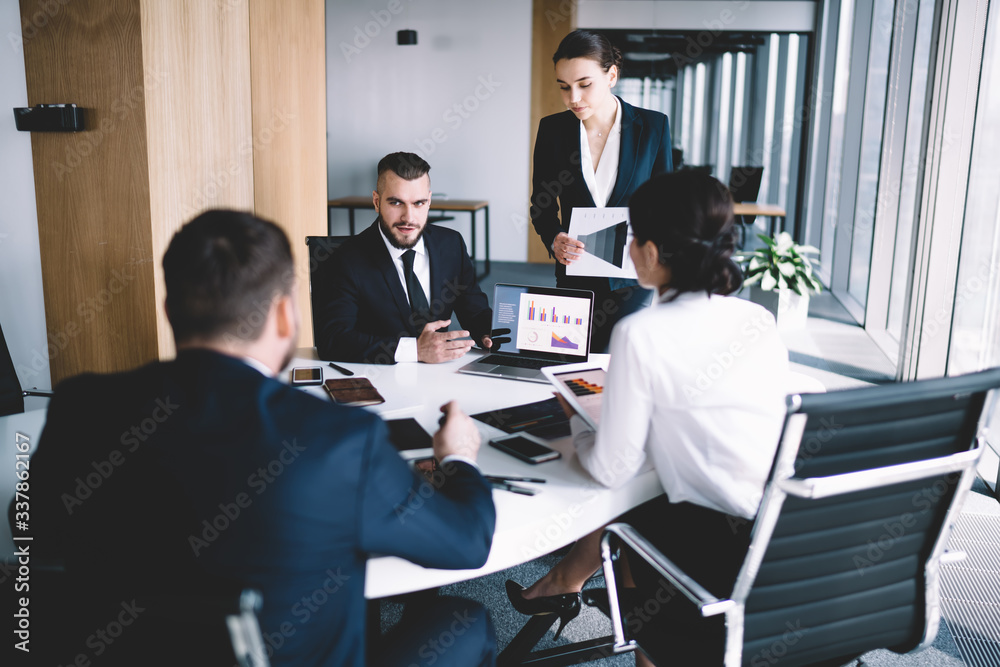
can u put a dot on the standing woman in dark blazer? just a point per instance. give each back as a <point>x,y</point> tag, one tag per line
<point>595,154</point>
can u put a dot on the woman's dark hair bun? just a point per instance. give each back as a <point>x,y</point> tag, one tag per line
<point>589,44</point>
<point>689,216</point>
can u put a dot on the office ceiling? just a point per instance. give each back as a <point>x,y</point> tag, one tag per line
<point>659,54</point>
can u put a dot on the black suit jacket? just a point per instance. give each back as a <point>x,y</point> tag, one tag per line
<point>557,179</point>
<point>203,469</point>
<point>364,309</point>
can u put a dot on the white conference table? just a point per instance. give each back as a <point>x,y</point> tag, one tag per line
<point>570,505</point>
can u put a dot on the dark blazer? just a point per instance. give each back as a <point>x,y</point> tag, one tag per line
<point>204,469</point>
<point>366,311</point>
<point>557,179</point>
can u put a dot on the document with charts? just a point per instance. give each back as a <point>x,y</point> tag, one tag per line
<point>606,236</point>
<point>582,385</point>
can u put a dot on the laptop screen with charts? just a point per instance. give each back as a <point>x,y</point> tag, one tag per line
<point>548,326</point>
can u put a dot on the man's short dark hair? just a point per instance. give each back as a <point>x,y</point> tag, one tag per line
<point>408,166</point>
<point>222,271</point>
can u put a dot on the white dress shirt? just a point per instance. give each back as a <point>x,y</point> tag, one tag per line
<point>602,181</point>
<point>698,386</point>
<point>407,348</point>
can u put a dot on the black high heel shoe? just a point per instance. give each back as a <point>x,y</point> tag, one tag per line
<point>567,605</point>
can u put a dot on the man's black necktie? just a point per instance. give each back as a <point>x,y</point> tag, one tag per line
<point>418,300</point>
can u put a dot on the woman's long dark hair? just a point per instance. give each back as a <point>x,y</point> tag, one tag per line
<point>689,216</point>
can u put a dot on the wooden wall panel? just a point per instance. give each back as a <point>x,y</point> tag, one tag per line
<point>551,21</point>
<point>288,70</point>
<point>198,119</point>
<point>91,187</point>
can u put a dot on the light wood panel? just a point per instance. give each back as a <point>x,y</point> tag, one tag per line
<point>91,187</point>
<point>288,70</point>
<point>178,120</point>
<point>552,20</point>
<point>198,120</point>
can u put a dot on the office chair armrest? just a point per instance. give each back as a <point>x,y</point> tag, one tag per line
<point>949,557</point>
<point>708,604</point>
<point>37,392</point>
<point>833,485</point>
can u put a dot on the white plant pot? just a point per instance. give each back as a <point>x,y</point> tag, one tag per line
<point>790,310</point>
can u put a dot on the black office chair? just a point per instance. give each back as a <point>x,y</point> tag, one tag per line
<point>11,394</point>
<point>321,249</point>
<point>744,184</point>
<point>677,157</point>
<point>216,625</point>
<point>845,552</point>
<point>706,169</point>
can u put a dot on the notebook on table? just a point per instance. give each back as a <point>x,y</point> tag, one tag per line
<point>549,326</point>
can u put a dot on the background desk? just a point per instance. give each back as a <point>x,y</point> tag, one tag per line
<point>568,507</point>
<point>771,211</point>
<point>470,206</point>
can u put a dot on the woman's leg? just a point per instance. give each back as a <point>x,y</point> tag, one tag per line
<point>572,572</point>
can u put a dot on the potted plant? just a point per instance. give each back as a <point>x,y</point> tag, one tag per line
<point>780,277</point>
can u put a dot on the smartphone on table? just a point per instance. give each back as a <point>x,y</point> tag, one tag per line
<point>525,448</point>
<point>304,376</point>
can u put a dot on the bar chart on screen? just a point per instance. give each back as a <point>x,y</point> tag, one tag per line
<point>553,324</point>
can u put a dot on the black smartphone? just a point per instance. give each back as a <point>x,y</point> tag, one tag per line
<point>307,375</point>
<point>524,448</point>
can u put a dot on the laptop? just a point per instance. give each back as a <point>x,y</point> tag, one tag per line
<point>549,326</point>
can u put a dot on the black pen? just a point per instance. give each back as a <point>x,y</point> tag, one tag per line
<point>513,488</point>
<point>340,368</point>
<point>505,478</point>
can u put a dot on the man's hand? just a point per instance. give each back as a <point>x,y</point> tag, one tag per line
<point>458,434</point>
<point>433,346</point>
<point>488,342</point>
<point>566,248</point>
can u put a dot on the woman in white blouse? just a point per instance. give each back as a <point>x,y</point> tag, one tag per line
<point>594,154</point>
<point>696,387</point>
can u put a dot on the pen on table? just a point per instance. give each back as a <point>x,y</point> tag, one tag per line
<point>505,478</point>
<point>513,488</point>
<point>340,368</point>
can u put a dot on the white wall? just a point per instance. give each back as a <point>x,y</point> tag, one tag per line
<point>382,97</point>
<point>22,312</point>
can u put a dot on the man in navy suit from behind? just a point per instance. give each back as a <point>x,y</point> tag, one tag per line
<point>380,307</point>
<point>214,471</point>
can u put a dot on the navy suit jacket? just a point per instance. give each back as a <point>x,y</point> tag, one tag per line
<point>364,310</point>
<point>180,473</point>
<point>557,179</point>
